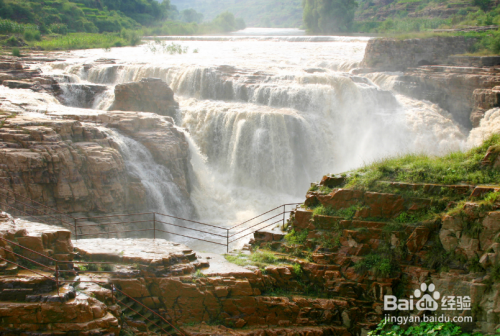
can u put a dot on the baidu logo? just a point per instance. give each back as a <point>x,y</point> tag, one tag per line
<point>428,299</point>
<point>427,302</point>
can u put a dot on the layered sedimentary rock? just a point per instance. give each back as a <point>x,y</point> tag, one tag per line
<point>148,95</point>
<point>398,55</point>
<point>75,166</point>
<point>453,88</point>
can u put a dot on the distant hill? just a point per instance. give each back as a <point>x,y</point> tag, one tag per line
<point>256,13</point>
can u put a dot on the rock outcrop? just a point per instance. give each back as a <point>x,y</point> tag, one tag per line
<point>398,55</point>
<point>148,95</point>
<point>453,89</point>
<point>76,167</point>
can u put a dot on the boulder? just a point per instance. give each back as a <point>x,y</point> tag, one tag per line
<point>148,95</point>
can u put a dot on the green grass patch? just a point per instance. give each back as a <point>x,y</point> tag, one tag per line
<point>378,264</point>
<point>424,328</point>
<point>347,213</point>
<point>454,168</point>
<point>261,259</point>
<point>296,238</point>
<point>81,41</point>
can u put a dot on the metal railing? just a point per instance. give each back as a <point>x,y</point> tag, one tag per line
<point>58,282</point>
<point>149,222</point>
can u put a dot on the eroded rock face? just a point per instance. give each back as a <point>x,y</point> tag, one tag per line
<point>464,92</point>
<point>148,95</point>
<point>398,55</point>
<point>76,167</point>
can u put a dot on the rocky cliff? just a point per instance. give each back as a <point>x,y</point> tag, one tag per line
<point>398,55</point>
<point>69,161</point>
<point>462,85</point>
<point>75,167</point>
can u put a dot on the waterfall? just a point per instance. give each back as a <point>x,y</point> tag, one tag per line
<point>163,194</point>
<point>267,116</point>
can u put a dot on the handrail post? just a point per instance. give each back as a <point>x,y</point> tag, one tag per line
<point>76,233</point>
<point>284,212</point>
<point>154,226</point>
<point>113,293</point>
<point>57,277</point>
<point>227,240</point>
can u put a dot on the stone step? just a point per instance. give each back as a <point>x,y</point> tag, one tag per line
<point>65,294</point>
<point>430,188</point>
<point>18,294</point>
<point>37,283</point>
<point>9,269</point>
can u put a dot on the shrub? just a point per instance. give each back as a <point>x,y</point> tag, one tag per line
<point>28,35</point>
<point>378,264</point>
<point>264,257</point>
<point>16,52</point>
<point>297,238</point>
<point>11,41</point>
<point>297,270</point>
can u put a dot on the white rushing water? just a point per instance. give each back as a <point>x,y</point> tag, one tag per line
<point>266,116</point>
<point>163,194</point>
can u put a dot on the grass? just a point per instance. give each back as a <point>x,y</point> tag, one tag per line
<point>261,259</point>
<point>378,264</point>
<point>424,328</point>
<point>296,238</point>
<point>457,167</point>
<point>347,213</point>
<point>82,41</point>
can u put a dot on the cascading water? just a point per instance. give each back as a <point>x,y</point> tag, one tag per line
<point>163,194</point>
<point>266,116</point>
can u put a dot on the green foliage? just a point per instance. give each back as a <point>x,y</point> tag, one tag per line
<point>162,47</point>
<point>297,270</point>
<point>398,25</point>
<point>11,41</point>
<point>16,52</point>
<point>260,259</point>
<point>190,15</point>
<point>495,272</point>
<point>263,257</point>
<point>314,187</point>
<point>483,4</point>
<point>378,264</point>
<point>31,35</point>
<point>347,213</point>
<point>296,238</point>
<point>80,41</point>
<point>199,274</point>
<point>10,27</point>
<point>256,13</point>
<point>474,266</point>
<point>453,168</point>
<point>328,16</point>
<point>425,328</point>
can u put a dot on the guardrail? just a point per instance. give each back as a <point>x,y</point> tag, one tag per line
<point>149,222</point>
<point>57,280</point>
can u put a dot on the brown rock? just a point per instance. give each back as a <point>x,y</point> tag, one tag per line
<point>418,239</point>
<point>148,95</point>
<point>381,205</point>
<point>302,218</point>
<point>341,198</point>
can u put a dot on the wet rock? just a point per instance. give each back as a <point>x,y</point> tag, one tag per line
<point>16,84</point>
<point>148,95</point>
<point>398,55</point>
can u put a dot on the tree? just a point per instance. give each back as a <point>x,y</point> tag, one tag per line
<point>190,15</point>
<point>328,16</point>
